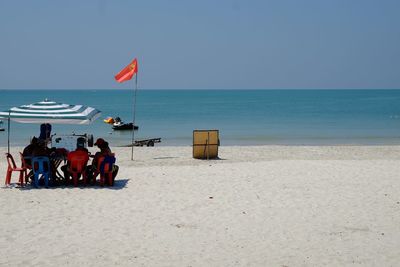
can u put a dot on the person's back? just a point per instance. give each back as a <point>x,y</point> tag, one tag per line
<point>40,150</point>
<point>28,150</point>
<point>27,153</point>
<point>78,153</point>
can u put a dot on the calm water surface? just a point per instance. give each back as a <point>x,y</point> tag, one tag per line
<point>244,117</point>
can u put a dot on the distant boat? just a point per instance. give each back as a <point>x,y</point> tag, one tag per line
<point>124,126</point>
<point>118,124</point>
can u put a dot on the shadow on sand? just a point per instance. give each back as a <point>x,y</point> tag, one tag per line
<point>118,185</point>
<point>213,159</point>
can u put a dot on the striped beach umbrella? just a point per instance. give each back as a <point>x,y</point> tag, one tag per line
<point>52,112</point>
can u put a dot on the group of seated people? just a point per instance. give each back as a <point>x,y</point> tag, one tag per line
<point>39,148</point>
<point>91,170</point>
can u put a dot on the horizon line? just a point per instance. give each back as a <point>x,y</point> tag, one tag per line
<point>183,89</point>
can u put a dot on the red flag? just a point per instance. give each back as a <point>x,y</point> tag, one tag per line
<point>127,73</point>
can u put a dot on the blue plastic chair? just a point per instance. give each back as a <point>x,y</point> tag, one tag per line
<point>106,170</point>
<point>41,165</point>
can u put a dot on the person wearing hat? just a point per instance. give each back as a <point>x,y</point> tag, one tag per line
<point>104,151</point>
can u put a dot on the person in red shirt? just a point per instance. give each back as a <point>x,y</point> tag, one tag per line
<point>104,151</point>
<point>80,152</point>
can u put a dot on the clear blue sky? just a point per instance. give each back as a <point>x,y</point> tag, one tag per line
<point>207,44</point>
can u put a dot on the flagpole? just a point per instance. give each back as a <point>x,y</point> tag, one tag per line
<point>8,130</point>
<point>134,113</point>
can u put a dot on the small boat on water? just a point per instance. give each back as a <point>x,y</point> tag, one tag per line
<point>118,124</point>
<point>124,126</point>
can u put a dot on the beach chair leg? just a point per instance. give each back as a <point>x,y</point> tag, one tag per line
<point>8,177</point>
<point>36,180</point>
<point>110,179</point>
<point>26,176</point>
<point>21,178</point>
<point>94,178</point>
<point>46,180</point>
<point>101,180</point>
<point>75,178</point>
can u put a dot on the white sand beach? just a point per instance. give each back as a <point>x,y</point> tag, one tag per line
<point>255,206</point>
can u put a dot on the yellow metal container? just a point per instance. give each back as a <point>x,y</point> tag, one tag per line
<point>205,144</point>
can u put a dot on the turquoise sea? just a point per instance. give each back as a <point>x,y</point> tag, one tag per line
<point>244,117</point>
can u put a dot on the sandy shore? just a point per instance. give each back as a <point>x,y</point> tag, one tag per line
<point>256,206</point>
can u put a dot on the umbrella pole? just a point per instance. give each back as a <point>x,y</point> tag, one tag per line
<point>8,130</point>
<point>134,114</point>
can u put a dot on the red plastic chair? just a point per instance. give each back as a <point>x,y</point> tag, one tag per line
<point>27,167</point>
<point>77,167</point>
<point>12,167</point>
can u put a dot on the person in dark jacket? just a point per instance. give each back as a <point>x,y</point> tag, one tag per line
<point>28,150</point>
